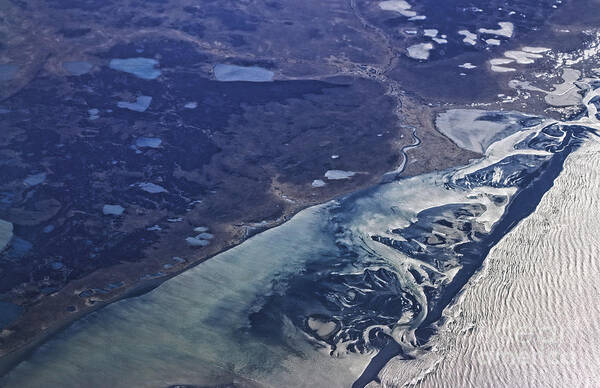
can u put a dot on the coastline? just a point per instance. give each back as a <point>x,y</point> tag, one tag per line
<point>13,357</point>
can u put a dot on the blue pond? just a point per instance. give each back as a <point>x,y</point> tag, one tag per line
<point>240,73</point>
<point>144,68</point>
<point>140,105</point>
<point>148,142</point>
<point>8,71</point>
<point>77,67</point>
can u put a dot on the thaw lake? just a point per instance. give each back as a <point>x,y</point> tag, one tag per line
<point>225,72</point>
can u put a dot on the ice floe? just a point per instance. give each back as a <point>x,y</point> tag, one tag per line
<point>318,183</point>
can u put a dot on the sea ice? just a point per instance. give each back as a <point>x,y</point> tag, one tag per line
<point>318,183</point>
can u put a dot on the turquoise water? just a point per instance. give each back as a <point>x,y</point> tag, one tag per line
<point>144,68</point>
<point>225,72</point>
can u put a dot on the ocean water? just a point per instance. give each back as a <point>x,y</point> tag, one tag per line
<point>332,296</point>
<point>531,316</point>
